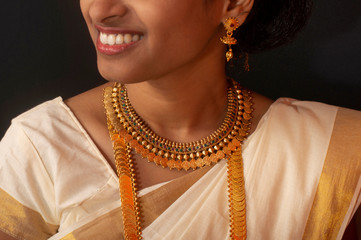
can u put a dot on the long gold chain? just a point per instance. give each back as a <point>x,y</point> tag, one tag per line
<point>128,131</point>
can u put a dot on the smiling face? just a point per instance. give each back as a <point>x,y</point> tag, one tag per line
<point>137,40</point>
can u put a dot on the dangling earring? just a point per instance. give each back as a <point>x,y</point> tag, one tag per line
<point>230,25</point>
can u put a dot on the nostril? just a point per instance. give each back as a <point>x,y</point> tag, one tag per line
<point>105,11</point>
<point>109,19</point>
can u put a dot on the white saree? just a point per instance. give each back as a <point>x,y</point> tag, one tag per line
<point>302,173</point>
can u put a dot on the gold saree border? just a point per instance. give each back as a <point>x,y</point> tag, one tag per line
<point>22,222</point>
<point>339,178</point>
<point>107,226</point>
<point>153,204</point>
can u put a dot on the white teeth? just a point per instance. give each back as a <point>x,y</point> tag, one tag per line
<point>112,39</point>
<point>103,38</point>
<point>127,38</point>
<point>119,39</point>
<point>135,38</point>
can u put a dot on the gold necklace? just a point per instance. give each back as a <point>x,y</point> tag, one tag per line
<point>182,155</point>
<point>128,131</point>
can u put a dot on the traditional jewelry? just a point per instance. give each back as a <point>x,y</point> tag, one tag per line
<point>128,131</point>
<point>231,24</point>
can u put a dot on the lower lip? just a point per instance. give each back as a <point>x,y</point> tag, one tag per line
<point>113,49</point>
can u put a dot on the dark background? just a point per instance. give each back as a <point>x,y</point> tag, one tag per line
<point>45,52</point>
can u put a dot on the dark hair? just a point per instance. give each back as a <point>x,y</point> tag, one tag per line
<point>272,23</point>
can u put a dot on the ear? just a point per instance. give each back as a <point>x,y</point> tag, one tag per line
<point>237,8</point>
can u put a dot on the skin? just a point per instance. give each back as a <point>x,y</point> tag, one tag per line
<point>175,76</point>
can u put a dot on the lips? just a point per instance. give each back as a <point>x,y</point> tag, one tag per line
<point>113,41</point>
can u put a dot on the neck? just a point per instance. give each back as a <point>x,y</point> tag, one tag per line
<point>184,106</point>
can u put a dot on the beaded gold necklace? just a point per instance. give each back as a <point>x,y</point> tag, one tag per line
<point>128,131</point>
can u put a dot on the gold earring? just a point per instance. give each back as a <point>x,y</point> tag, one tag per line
<point>230,25</point>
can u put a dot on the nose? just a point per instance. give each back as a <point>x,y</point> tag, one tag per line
<point>107,11</point>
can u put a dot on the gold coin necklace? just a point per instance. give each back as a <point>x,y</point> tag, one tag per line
<point>129,132</point>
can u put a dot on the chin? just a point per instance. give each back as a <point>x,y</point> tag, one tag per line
<point>110,72</point>
<point>121,75</point>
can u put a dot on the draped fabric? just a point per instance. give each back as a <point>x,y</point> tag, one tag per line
<point>302,180</point>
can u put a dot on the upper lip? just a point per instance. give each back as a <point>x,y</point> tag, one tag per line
<point>115,30</point>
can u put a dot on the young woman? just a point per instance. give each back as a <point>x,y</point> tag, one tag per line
<point>187,147</point>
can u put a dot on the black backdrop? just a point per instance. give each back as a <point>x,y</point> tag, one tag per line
<point>45,49</point>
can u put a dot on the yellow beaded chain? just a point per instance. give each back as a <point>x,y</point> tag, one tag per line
<point>126,135</point>
<point>183,155</point>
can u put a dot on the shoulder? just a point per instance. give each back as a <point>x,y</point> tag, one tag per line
<point>88,108</point>
<point>45,119</point>
<point>44,150</point>
<point>301,126</point>
<point>302,107</point>
<point>40,120</point>
<point>49,131</point>
<point>41,135</point>
<point>290,115</point>
<point>292,111</point>
<point>28,158</point>
<point>305,125</point>
<point>42,111</point>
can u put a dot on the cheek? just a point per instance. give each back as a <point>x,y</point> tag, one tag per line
<point>185,39</point>
<point>186,27</point>
<point>85,6</point>
<point>176,33</point>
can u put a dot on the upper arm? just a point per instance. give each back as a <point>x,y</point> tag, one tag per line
<point>27,207</point>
